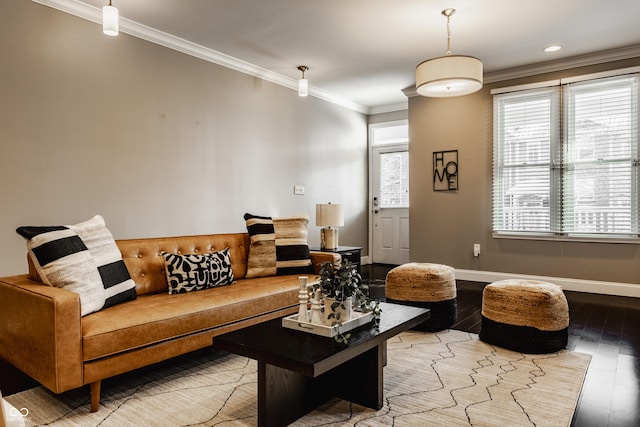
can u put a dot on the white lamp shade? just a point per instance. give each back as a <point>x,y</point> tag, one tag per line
<point>303,87</point>
<point>451,75</point>
<point>329,215</point>
<point>110,20</point>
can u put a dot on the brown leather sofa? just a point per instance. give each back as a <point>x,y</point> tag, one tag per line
<point>43,334</point>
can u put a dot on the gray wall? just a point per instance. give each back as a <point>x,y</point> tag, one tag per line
<point>444,225</point>
<point>388,117</point>
<point>158,142</point>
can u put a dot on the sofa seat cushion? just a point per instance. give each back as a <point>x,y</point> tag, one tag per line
<point>159,317</point>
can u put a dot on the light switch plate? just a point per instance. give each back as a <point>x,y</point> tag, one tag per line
<point>298,189</point>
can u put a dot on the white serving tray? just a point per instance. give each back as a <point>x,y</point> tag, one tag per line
<point>358,318</point>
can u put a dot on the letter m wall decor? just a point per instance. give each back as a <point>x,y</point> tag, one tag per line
<point>445,170</point>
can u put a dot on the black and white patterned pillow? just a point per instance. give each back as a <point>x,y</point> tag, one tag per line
<point>221,271</point>
<point>63,261</point>
<point>188,273</point>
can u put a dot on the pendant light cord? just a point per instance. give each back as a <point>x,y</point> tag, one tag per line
<point>448,35</point>
<point>448,13</point>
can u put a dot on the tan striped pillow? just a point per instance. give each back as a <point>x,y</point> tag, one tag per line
<point>292,250</point>
<point>262,250</point>
<point>278,246</point>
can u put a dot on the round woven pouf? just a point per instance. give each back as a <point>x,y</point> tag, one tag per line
<point>528,316</point>
<point>431,286</point>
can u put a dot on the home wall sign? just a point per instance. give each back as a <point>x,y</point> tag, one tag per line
<point>445,170</point>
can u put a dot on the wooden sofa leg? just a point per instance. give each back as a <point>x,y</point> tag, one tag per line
<point>95,395</point>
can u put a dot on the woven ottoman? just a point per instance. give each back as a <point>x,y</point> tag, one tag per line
<point>431,286</point>
<point>528,316</point>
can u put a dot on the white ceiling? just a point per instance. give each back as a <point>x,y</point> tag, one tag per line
<point>366,51</point>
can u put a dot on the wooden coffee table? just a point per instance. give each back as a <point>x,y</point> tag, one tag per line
<point>299,371</point>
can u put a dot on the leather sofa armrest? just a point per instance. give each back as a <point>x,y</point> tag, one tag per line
<point>41,332</point>
<point>318,257</point>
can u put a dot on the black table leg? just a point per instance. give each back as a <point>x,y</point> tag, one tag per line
<point>284,395</point>
<point>360,380</point>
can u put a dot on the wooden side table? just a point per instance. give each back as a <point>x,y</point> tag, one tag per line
<point>352,253</point>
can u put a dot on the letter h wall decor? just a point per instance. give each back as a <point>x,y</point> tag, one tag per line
<point>445,170</point>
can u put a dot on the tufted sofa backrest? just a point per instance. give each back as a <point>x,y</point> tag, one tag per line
<point>146,265</point>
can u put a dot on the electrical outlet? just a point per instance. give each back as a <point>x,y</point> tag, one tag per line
<point>476,250</point>
<point>298,189</point>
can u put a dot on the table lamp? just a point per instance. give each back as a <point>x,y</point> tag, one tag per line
<point>327,216</point>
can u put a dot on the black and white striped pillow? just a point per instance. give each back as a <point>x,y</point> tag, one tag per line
<point>118,285</point>
<point>63,260</point>
<point>116,281</point>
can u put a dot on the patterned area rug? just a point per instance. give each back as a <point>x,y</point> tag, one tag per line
<point>449,378</point>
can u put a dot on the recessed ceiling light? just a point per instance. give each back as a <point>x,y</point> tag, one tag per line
<point>552,48</point>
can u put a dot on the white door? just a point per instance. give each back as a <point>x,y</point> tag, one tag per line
<point>390,204</point>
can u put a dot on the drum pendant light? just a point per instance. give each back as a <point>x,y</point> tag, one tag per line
<point>449,75</point>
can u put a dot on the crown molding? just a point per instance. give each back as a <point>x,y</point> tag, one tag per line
<point>564,64</point>
<point>133,28</point>
<point>389,108</point>
<point>410,91</point>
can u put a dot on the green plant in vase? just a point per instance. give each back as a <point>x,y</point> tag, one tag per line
<point>343,290</point>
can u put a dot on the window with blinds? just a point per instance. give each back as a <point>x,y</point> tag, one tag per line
<point>526,131</point>
<point>566,160</point>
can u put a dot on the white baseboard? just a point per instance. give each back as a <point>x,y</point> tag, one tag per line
<point>579,285</point>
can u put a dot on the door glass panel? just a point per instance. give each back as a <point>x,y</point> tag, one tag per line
<point>394,180</point>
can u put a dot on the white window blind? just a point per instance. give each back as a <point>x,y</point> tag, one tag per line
<point>525,130</point>
<point>581,182</point>
<point>600,182</point>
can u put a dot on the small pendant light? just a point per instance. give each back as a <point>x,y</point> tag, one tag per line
<point>110,20</point>
<point>303,84</point>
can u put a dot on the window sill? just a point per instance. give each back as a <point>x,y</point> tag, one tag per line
<point>584,238</point>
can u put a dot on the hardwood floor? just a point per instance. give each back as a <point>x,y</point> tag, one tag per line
<point>607,327</point>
